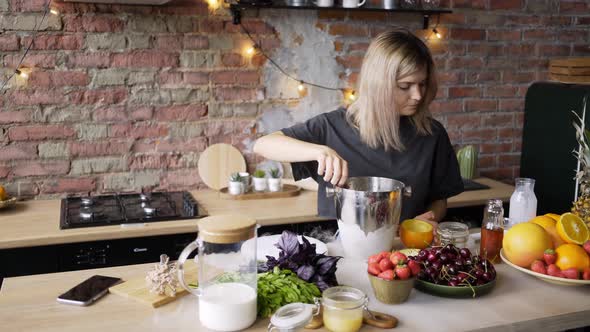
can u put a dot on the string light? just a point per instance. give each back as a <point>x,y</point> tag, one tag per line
<point>213,4</point>
<point>352,96</point>
<point>54,11</point>
<point>21,73</point>
<point>250,50</point>
<point>436,33</point>
<point>301,87</point>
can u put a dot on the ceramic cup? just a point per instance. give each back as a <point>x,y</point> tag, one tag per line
<point>389,4</point>
<point>352,3</point>
<point>324,3</point>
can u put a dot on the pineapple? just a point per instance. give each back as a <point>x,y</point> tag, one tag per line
<point>581,206</point>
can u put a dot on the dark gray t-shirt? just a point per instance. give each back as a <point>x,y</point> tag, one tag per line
<point>428,164</point>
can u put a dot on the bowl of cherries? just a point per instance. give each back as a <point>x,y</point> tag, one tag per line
<point>450,271</point>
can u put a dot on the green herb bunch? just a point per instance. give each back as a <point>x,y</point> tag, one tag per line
<point>278,287</point>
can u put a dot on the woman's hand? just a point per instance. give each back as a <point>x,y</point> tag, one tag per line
<point>430,218</point>
<point>332,166</point>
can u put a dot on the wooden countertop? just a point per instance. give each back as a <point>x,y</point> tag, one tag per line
<point>518,302</point>
<point>36,223</point>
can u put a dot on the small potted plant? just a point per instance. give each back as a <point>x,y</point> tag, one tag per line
<point>274,182</point>
<point>259,180</point>
<point>236,186</point>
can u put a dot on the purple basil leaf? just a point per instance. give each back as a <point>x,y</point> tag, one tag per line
<point>305,272</point>
<point>288,243</point>
<point>327,264</point>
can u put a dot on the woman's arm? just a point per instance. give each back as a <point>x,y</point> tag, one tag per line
<point>435,213</point>
<point>279,147</point>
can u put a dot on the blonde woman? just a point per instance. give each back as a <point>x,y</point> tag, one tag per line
<point>387,132</point>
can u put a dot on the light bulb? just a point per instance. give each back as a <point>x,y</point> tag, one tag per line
<point>352,96</point>
<point>250,50</point>
<point>214,4</point>
<point>436,33</point>
<point>54,11</point>
<point>301,87</point>
<point>21,73</point>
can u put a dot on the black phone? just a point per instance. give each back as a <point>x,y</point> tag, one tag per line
<point>88,291</point>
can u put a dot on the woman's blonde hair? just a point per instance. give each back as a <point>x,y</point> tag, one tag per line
<point>391,55</point>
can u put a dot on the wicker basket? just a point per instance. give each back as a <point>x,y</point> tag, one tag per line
<point>570,70</point>
<point>7,202</point>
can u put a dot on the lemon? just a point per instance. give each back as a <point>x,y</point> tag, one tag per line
<point>572,229</point>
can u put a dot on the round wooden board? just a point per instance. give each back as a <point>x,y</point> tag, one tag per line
<point>218,162</point>
<point>288,191</point>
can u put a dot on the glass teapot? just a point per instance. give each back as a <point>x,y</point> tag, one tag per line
<point>227,272</point>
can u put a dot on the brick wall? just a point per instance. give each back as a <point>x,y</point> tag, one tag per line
<point>125,97</point>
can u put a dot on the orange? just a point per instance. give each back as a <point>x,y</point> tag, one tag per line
<point>572,229</point>
<point>3,195</point>
<point>416,233</point>
<point>548,223</point>
<point>525,242</point>
<point>553,216</point>
<point>572,255</point>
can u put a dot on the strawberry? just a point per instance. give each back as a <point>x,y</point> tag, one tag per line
<point>387,275</point>
<point>587,246</point>
<point>398,258</point>
<point>586,274</point>
<point>571,273</point>
<point>384,254</point>
<point>549,256</point>
<point>403,271</point>
<point>385,264</point>
<point>553,270</point>
<point>375,258</point>
<point>414,267</point>
<point>538,266</point>
<point>374,269</point>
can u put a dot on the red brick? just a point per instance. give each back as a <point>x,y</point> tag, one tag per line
<point>9,43</point>
<point>252,26</point>
<point>237,93</point>
<point>517,146</point>
<point>34,97</point>
<point>54,42</point>
<point>18,151</point>
<point>465,63</point>
<point>511,104</point>
<point>506,4</point>
<point>522,20</point>
<point>331,14</point>
<point>31,60</point>
<point>501,91</point>
<point>350,61</point>
<point>486,161</point>
<point>248,77</point>
<point>502,174</point>
<point>467,34</point>
<point>448,78</point>
<point>93,23</point>
<point>88,60</point>
<point>196,42</point>
<point>348,30</point>
<point>196,78</point>
<point>268,44</point>
<point>358,46</point>
<point>37,168</point>
<point>518,77</point>
<point>258,60</point>
<point>501,63</point>
<point>223,77</point>
<point>477,4</point>
<point>505,160</point>
<point>367,16</point>
<point>539,34</point>
<point>498,120</point>
<point>138,131</point>
<point>4,171</point>
<point>521,49</point>
<point>582,49</point>
<point>181,113</point>
<point>39,132</point>
<point>446,106</point>
<point>495,148</point>
<point>150,58</point>
<point>583,20</point>
<point>573,36</point>
<point>550,50</point>
<point>482,77</point>
<point>510,35</point>
<point>464,91</point>
<point>463,121</point>
<point>197,144</point>
<point>169,42</point>
<point>156,161</point>
<point>574,7</point>
<point>479,135</point>
<point>211,26</point>
<point>47,79</point>
<point>180,179</point>
<point>481,105</point>
<point>182,8</point>
<point>95,149</point>
<point>232,60</point>
<point>140,113</point>
<point>453,18</point>
<point>15,116</point>
<point>556,20</point>
<point>529,64</point>
<point>68,185</point>
<point>99,96</point>
<point>509,133</point>
<point>27,5</point>
<point>110,114</point>
<point>169,78</point>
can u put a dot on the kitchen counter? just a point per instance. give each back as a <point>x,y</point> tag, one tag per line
<point>518,302</point>
<point>36,223</point>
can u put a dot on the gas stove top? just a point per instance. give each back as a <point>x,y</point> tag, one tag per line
<point>116,209</point>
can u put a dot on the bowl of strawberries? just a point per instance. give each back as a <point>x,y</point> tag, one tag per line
<point>392,276</point>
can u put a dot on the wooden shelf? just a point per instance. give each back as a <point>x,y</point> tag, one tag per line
<point>236,8</point>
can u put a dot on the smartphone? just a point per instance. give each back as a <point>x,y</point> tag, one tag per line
<point>88,291</point>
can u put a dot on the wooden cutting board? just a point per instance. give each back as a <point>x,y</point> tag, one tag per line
<point>218,162</point>
<point>138,290</point>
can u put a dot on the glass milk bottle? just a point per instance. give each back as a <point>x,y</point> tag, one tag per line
<point>523,202</point>
<point>227,272</point>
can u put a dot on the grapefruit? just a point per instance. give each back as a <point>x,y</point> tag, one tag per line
<point>572,255</point>
<point>525,242</point>
<point>548,223</point>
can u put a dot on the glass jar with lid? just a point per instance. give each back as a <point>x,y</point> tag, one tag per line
<point>452,232</point>
<point>227,272</point>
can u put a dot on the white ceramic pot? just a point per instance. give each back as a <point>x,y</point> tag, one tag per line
<point>275,184</point>
<point>235,188</point>
<point>259,184</point>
